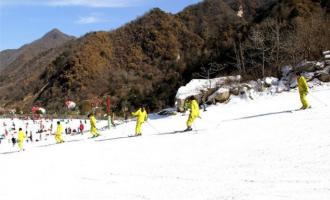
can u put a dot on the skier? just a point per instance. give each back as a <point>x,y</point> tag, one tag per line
<point>13,140</point>
<point>203,99</point>
<point>81,127</point>
<point>58,134</point>
<point>194,112</point>
<point>20,139</point>
<point>31,137</point>
<point>51,128</point>
<point>303,90</point>
<point>142,116</point>
<point>93,125</point>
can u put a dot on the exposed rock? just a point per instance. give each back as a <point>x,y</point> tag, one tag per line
<point>320,65</point>
<point>195,86</point>
<point>220,95</point>
<point>307,66</point>
<point>166,112</point>
<point>180,105</point>
<point>292,80</point>
<point>205,94</point>
<point>269,81</point>
<point>282,86</point>
<point>246,85</point>
<point>234,90</point>
<point>324,77</point>
<point>309,75</point>
<point>246,93</point>
<point>327,69</point>
<point>286,70</point>
<point>270,85</point>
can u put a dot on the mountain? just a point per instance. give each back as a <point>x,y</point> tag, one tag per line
<point>19,65</point>
<point>146,60</point>
<point>20,56</point>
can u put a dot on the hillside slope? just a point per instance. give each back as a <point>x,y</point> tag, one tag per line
<point>21,68</point>
<point>18,57</point>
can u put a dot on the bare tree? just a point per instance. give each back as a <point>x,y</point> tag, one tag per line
<point>265,47</point>
<point>312,36</point>
<point>258,39</point>
<point>209,71</point>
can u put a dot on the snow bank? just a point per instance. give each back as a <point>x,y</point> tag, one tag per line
<point>195,86</point>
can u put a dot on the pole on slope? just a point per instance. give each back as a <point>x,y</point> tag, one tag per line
<point>153,127</point>
<point>108,112</point>
<point>319,100</point>
<point>125,126</point>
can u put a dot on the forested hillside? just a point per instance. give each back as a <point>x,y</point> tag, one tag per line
<point>146,60</point>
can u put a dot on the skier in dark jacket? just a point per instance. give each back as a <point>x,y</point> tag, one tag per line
<point>13,140</point>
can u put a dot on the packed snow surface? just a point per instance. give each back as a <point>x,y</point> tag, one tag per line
<point>244,150</point>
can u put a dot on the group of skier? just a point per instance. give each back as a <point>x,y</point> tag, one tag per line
<point>142,115</point>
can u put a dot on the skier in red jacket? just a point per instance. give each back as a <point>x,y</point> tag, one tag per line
<point>81,127</point>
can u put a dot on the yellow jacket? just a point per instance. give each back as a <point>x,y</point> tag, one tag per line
<point>194,108</point>
<point>92,120</point>
<point>141,115</point>
<point>21,136</point>
<point>59,129</point>
<point>302,85</point>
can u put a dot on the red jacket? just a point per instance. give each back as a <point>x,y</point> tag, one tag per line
<point>81,127</point>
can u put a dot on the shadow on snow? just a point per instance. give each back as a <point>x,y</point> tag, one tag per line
<point>261,115</point>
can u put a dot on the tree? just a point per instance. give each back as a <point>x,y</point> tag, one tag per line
<point>209,71</point>
<point>312,36</point>
<point>258,39</point>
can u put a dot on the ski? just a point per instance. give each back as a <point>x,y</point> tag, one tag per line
<point>183,131</point>
<point>301,109</point>
<point>94,137</point>
<point>134,135</point>
<point>174,132</point>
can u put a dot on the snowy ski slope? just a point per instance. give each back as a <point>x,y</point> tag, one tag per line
<point>244,150</point>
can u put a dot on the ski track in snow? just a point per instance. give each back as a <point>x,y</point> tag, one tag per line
<point>245,150</point>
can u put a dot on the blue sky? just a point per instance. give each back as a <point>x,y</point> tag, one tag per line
<point>23,21</point>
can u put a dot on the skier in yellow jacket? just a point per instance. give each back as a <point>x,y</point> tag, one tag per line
<point>21,138</point>
<point>92,121</point>
<point>194,112</point>
<point>142,116</point>
<point>58,134</point>
<point>303,90</point>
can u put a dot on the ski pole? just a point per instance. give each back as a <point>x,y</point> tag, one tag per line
<point>194,128</point>
<point>319,100</point>
<point>153,127</point>
<point>124,128</point>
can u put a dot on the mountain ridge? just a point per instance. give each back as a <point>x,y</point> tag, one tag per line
<point>51,39</point>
